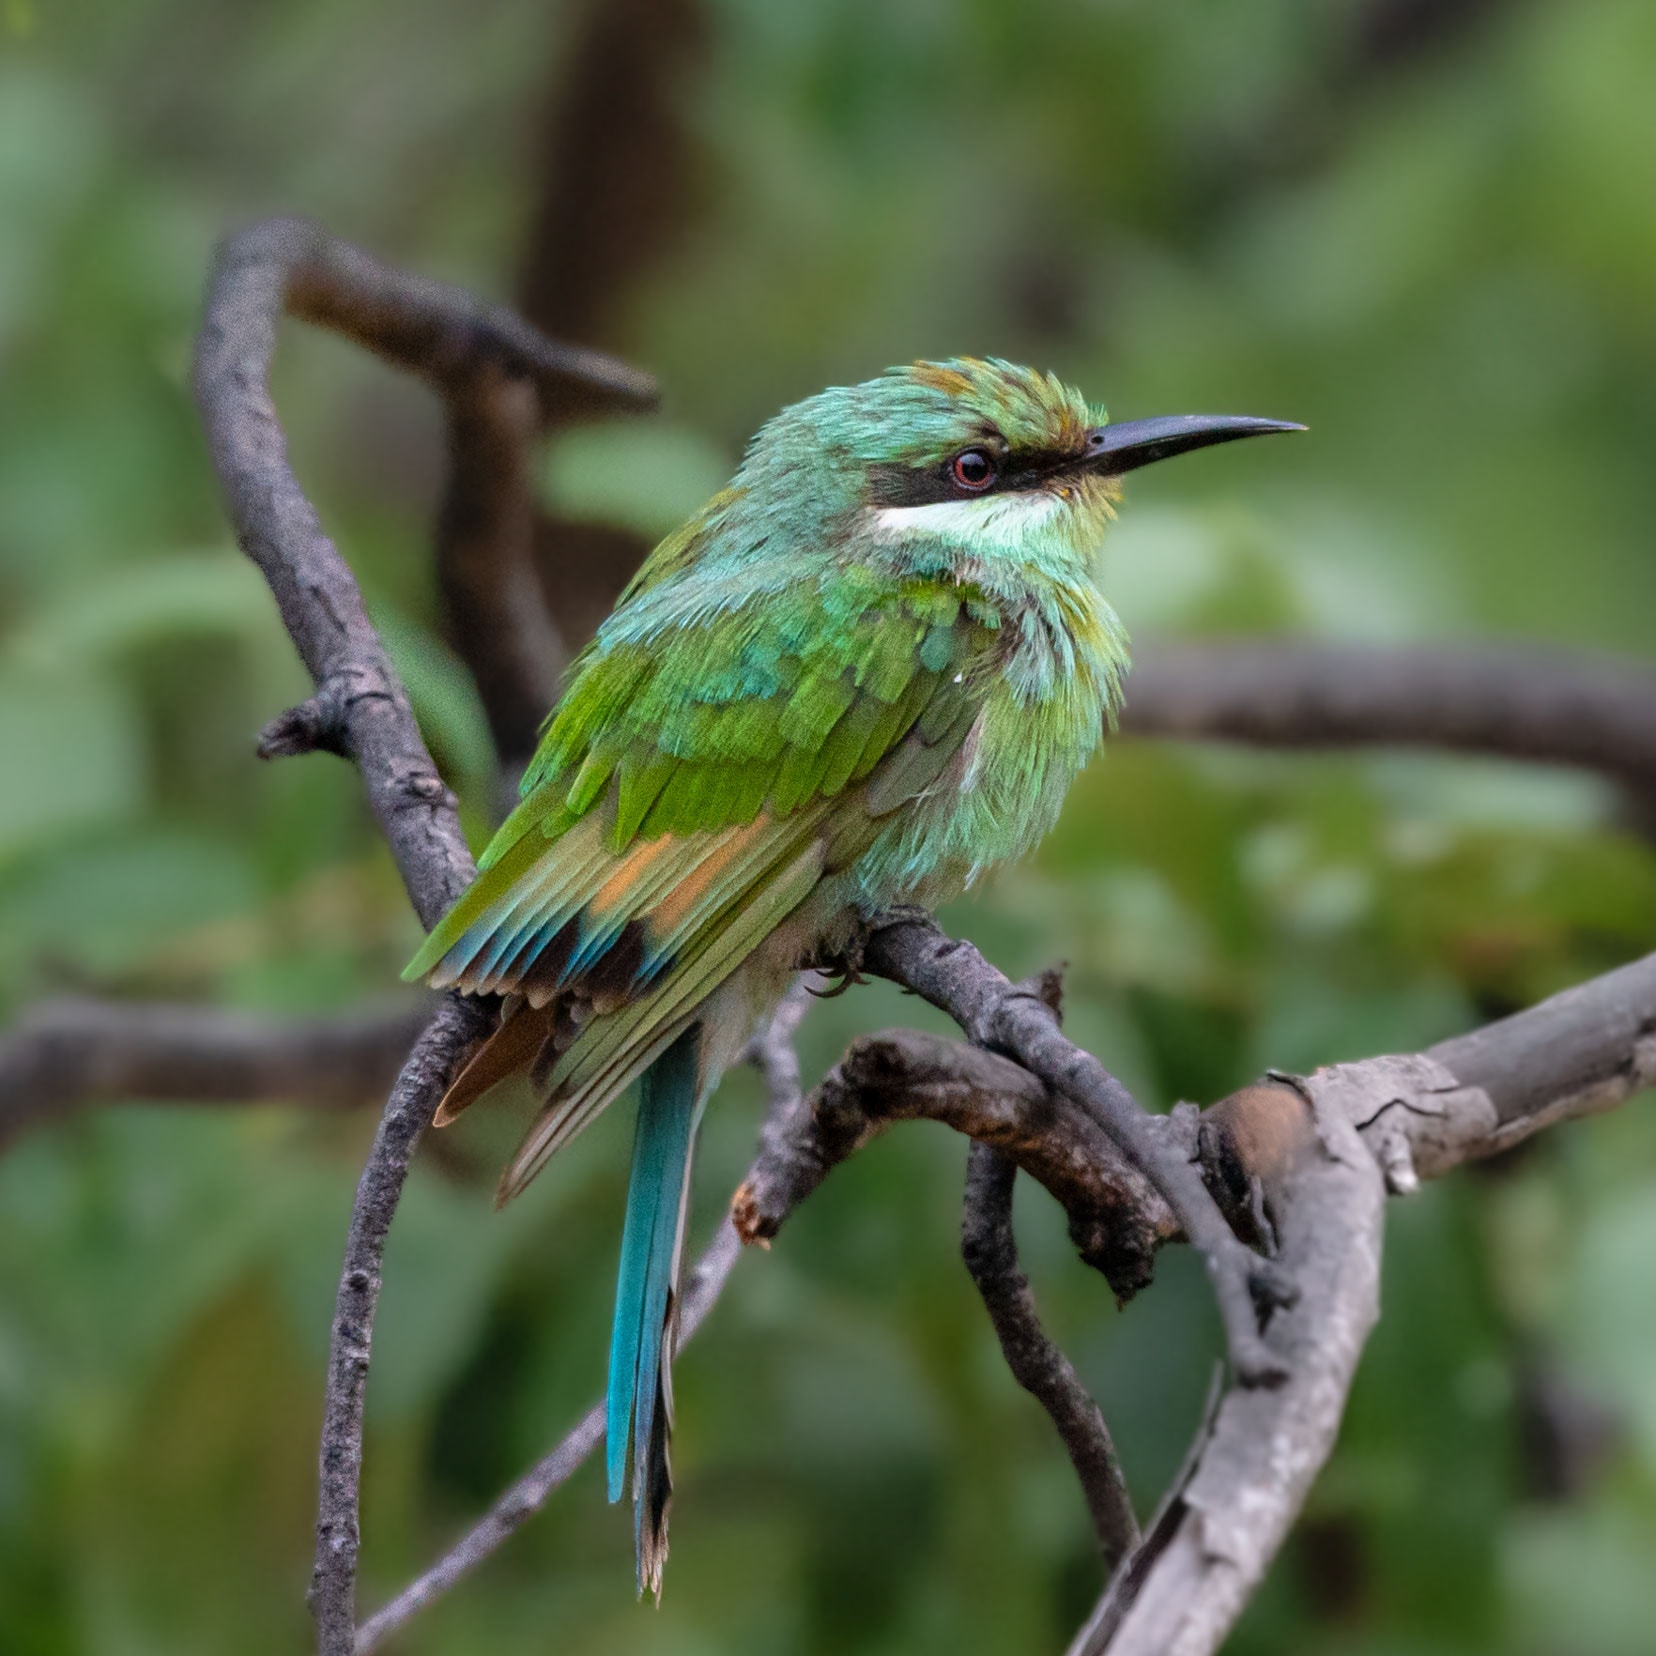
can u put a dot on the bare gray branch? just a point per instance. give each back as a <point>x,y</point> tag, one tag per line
<point>1324,1152</point>
<point>408,1113</point>
<point>470,352</point>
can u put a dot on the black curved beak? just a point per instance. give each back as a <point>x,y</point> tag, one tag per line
<point>1114,449</point>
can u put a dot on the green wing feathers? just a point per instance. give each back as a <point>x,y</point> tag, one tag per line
<point>707,769</point>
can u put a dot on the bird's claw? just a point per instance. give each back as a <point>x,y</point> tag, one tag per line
<point>845,965</point>
<point>847,973</point>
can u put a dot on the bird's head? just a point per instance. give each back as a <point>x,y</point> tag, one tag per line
<point>977,454</point>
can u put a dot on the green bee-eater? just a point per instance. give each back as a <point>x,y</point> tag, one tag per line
<point>859,676</point>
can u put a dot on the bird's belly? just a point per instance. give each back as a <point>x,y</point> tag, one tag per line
<point>991,807</point>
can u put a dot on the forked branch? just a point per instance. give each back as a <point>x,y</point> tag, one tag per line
<point>1323,1153</point>
<point>462,348</point>
<point>1017,1021</point>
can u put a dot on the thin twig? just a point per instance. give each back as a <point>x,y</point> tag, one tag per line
<point>408,1113</point>
<point>63,1055</point>
<point>772,1052</point>
<point>532,1491</point>
<point>991,1254</point>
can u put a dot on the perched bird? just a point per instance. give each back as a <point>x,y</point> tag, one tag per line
<point>860,675</point>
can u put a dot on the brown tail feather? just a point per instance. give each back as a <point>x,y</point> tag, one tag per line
<point>654,1469</point>
<point>513,1046</point>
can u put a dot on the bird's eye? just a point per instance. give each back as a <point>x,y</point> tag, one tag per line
<point>973,470</point>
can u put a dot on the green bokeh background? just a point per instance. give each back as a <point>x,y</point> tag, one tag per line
<point>1444,260</point>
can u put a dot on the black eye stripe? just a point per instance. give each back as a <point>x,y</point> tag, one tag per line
<point>926,485</point>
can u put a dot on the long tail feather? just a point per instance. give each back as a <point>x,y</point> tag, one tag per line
<point>640,1410</point>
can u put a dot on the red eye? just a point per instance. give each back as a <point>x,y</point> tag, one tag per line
<point>972,469</point>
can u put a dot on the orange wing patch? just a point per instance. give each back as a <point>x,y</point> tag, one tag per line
<point>671,912</point>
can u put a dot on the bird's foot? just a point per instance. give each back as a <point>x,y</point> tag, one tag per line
<point>844,963</point>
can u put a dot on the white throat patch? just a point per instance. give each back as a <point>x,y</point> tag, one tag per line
<point>1000,520</point>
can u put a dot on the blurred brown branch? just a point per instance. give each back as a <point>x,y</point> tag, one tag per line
<point>615,173</point>
<point>493,611</point>
<point>1513,701</point>
<point>63,1055</point>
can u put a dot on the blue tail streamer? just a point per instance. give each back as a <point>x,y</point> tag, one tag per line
<point>649,1249</point>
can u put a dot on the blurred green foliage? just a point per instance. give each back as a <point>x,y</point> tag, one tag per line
<point>1444,262</point>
